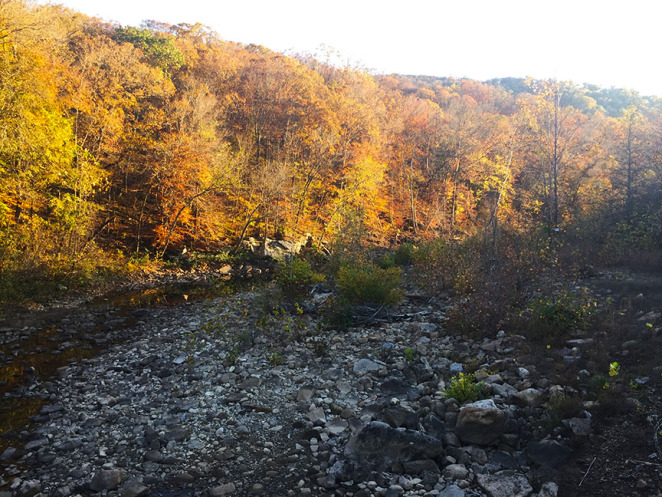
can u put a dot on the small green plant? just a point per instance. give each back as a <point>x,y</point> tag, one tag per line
<point>409,354</point>
<point>275,359</point>
<point>232,356</point>
<point>463,388</point>
<point>614,369</point>
<point>598,383</point>
<point>361,283</point>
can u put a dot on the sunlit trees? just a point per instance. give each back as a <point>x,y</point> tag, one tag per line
<point>162,137</point>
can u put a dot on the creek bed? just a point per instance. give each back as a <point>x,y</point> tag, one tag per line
<point>51,341</point>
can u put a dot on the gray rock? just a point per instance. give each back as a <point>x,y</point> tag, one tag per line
<point>505,484</point>
<point>305,393</point>
<point>364,366</point>
<point>455,472</point>
<point>8,453</point>
<point>316,415</point>
<point>377,446</point>
<point>397,416</point>
<point>480,423</point>
<point>394,491</point>
<point>529,397</point>
<point>29,488</point>
<point>419,466</point>
<point>153,456</point>
<point>452,491</point>
<point>337,426</point>
<point>106,479</point>
<point>63,491</point>
<point>504,390</point>
<point>456,367</point>
<point>225,489</point>
<point>549,453</point>
<point>580,426</point>
<point>177,434</point>
<point>549,489</point>
<point>135,490</point>
<point>35,444</point>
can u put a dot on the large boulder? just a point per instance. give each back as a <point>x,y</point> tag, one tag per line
<point>548,453</point>
<point>378,446</point>
<point>480,423</point>
<point>505,484</point>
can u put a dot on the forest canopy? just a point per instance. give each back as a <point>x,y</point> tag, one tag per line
<point>161,137</point>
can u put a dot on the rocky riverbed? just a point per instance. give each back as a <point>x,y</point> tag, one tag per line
<point>218,398</point>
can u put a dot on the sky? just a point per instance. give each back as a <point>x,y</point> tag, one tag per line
<point>607,42</point>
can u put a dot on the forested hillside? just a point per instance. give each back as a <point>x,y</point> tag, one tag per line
<point>156,138</point>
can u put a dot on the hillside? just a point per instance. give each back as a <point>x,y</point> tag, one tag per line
<point>120,141</point>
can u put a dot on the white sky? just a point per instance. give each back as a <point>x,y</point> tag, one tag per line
<point>604,42</point>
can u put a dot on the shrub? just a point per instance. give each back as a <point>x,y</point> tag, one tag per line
<point>553,317</point>
<point>386,261</point>
<point>361,283</point>
<point>404,255</point>
<point>338,315</point>
<point>296,277</point>
<point>463,388</point>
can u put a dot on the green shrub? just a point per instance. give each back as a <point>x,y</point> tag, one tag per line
<point>463,388</point>
<point>338,315</point>
<point>404,255</point>
<point>553,317</point>
<point>296,277</point>
<point>386,261</point>
<point>361,283</point>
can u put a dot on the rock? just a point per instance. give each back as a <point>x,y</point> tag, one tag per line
<point>337,426</point>
<point>225,489</point>
<point>305,393</point>
<point>29,488</point>
<point>397,416</point>
<point>257,488</point>
<point>377,446</point>
<point>456,367</point>
<point>8,453</point>
<point>153,456</point>
<point>316,415</point>
<point>505,390</point>
<point>452,491</point>
<point>35,444</point>
<point>419,466</point>
<point>505,484</point>
<point>51,409</point>
<point>549,453</point>
<point>529,397</point>
<point>579,426</point>
<point>549,489</point>
<point>455,472</point>
<point>394,491</point>
<point>106,479</point>
<point>480,423</point>
<point>177,434</point>
<point>134,490</point>
<point>364,366</point>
